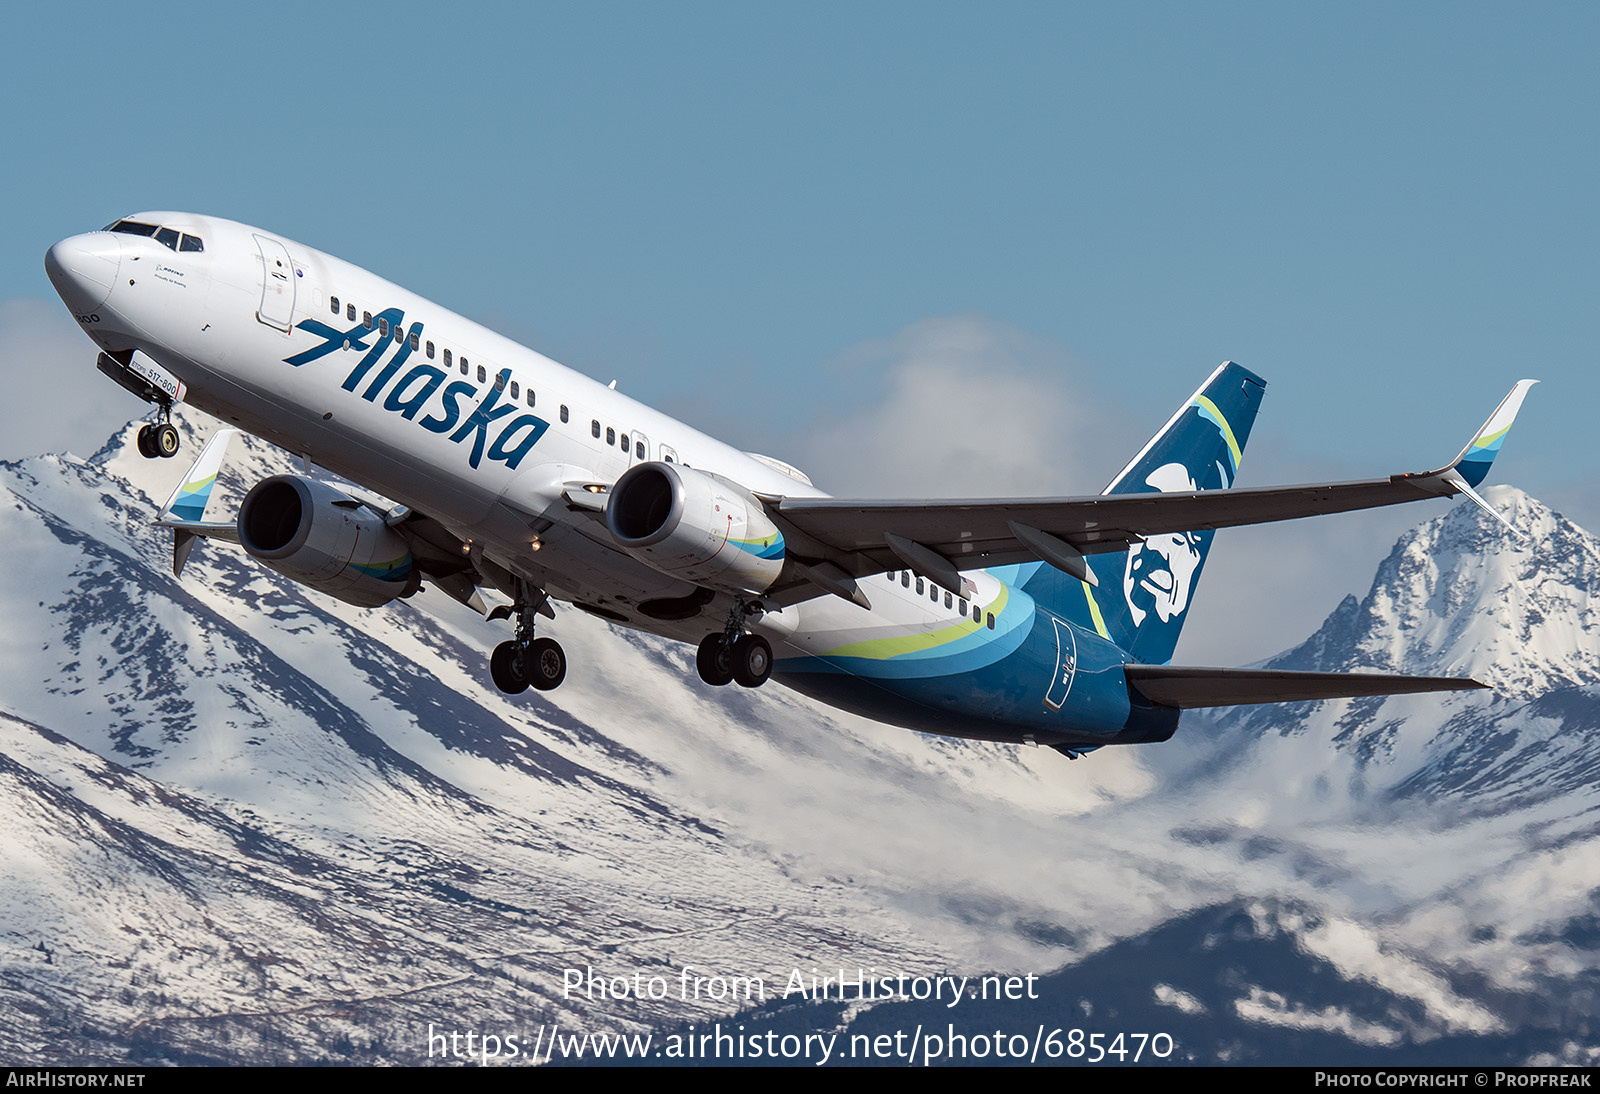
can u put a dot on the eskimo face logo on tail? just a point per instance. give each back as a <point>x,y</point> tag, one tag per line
<point>1160,571</point>
<point>424,387</point>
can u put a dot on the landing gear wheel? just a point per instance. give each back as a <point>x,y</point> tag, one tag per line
<point>508,667</point>
<point>164,440</point>
<point>145,443</point>
<point>752,661</point>
<point>713,661</point>
<point>545,663</point>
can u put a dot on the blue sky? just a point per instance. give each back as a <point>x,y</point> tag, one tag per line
<point>757,216</point>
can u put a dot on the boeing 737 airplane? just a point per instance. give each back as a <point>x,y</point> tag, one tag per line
<point>1047,621</point>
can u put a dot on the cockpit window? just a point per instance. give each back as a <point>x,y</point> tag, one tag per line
<point>167,237</point>
<point>132,228</point>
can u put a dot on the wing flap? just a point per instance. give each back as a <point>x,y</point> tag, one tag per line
<point>1189,688</point>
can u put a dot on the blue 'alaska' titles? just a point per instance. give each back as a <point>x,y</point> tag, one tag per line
<point>424,387</point>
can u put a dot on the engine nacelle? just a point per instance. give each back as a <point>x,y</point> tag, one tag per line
<point>311,532</point>
<point>694,527</point>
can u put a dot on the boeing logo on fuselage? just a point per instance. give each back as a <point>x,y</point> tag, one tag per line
<point>416,388</point>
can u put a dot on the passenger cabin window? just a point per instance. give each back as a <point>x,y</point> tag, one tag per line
<point>482,374</point>
<point>991,621</point>
<point>513,391</point>
<point>333,304</point>
<point>350,312</point>
<point>383,327</point>
<point>623,444</point>
<point>366,318</point>
<point>563,413</point>
<point>638,449</point>
<point>430,351</point>
<point>611,435</point>
<point>530,396</point>
<point>447,360</point>
<point>416,342</point>
<point>594,427</point>
<point>499,381</point>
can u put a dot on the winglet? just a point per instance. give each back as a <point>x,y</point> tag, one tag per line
<point>1471,467</point>
<point>187,505</point>
<point>189,497</point>
<point>1475,459</point>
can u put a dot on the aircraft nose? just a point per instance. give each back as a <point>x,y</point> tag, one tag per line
<point>83,269</point>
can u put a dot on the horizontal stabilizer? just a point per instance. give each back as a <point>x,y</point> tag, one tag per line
<point>1188,688</point>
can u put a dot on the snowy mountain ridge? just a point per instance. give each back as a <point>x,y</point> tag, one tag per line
<point>1458,596</point>
<point>250,822</point>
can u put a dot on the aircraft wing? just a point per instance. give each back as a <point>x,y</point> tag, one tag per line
<point>938,538</point>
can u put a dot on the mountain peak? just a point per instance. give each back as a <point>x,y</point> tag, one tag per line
<point>1460,596</point>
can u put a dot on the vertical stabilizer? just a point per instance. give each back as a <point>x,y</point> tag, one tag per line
<point>1144,593</point>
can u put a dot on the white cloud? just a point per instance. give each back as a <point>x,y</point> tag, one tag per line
<point>1360,954</point>
<point>1270,1008</point>
<point>1169,996</point>
<point>966,406</point>
<point>55,400</point>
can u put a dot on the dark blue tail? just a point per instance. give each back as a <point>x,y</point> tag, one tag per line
<point>1144,593</point>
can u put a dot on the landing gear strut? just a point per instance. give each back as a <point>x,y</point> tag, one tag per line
<point>733,655</point>
<point>152,383</point>
<point>527,661</point>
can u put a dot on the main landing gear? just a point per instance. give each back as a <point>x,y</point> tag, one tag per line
<point>732,655</point>
<point>526,661</point>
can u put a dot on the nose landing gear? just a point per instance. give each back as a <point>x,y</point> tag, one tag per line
<point>731,655</point>
<point>149,381</point>
<point>158,440</point>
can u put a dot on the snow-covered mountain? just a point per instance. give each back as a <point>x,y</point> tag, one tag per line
<point>244,821</point>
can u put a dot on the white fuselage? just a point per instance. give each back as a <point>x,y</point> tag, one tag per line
<point>395,412</point>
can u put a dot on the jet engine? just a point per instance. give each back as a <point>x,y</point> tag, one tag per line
<point>311,532</point>
<point>695,527</point>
